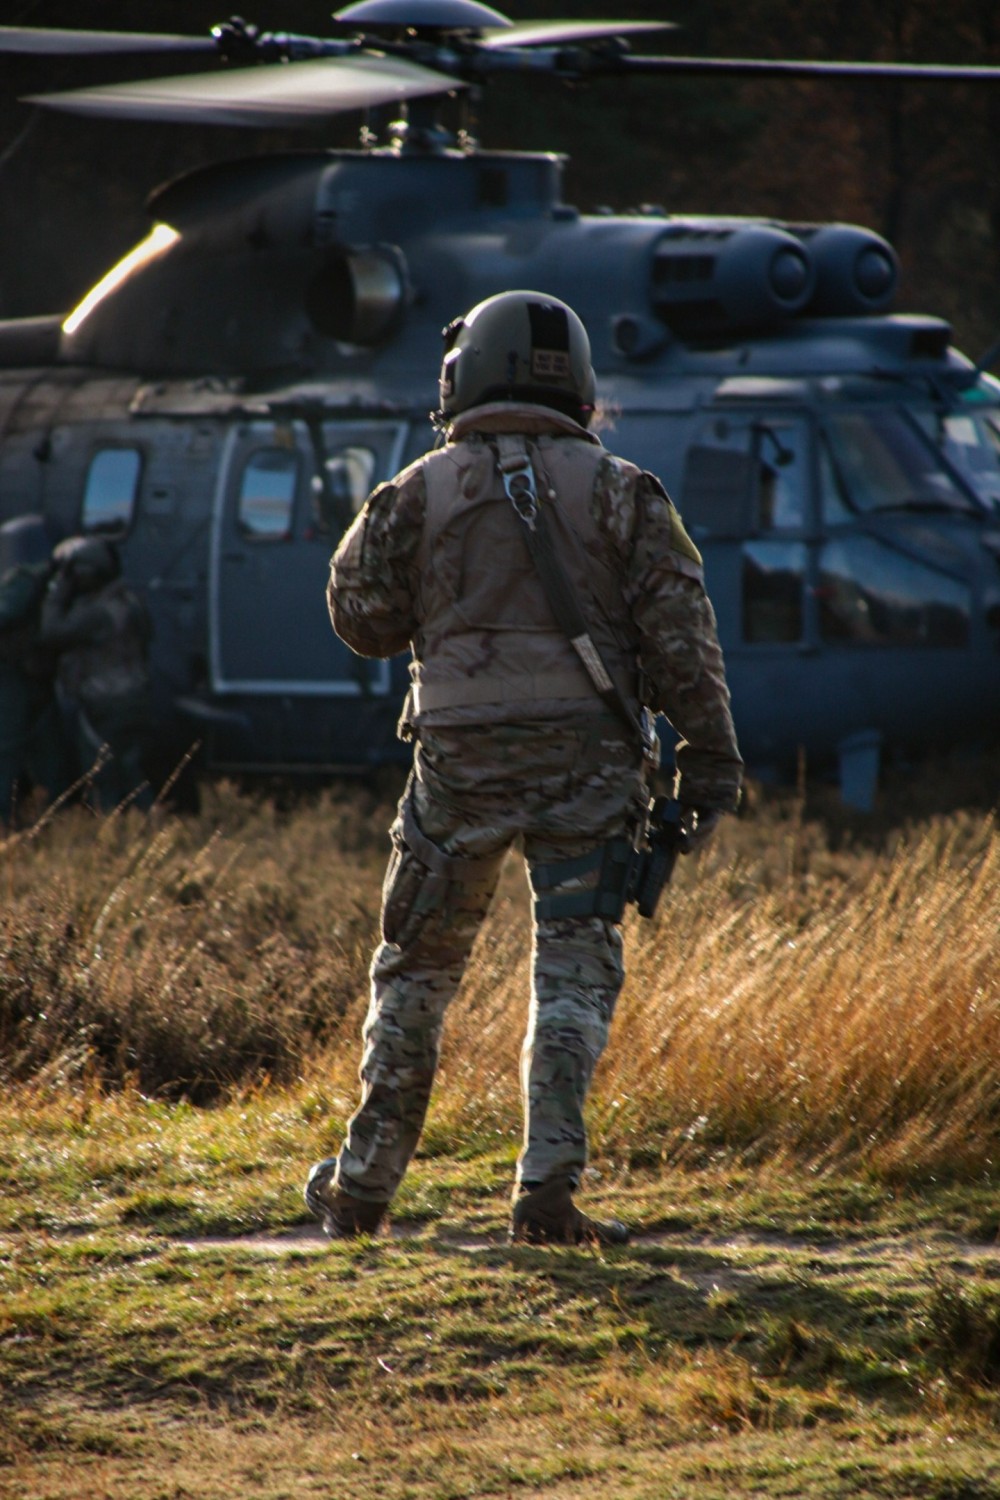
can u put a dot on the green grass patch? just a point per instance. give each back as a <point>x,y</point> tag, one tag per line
<point>777,1329</point>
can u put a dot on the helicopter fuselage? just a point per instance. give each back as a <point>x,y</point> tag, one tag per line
<point>225,399</point>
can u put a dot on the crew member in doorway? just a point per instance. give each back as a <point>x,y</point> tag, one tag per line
<point>101,631</point>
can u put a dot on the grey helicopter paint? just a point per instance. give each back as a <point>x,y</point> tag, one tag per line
<point>223,401</point>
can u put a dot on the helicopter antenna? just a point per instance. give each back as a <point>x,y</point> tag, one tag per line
<point>986,361</point>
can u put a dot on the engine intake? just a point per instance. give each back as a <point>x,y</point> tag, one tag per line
<point>358,295</point>
<point>710,278</point>
<point>713,277</point>
<point>856,270</point>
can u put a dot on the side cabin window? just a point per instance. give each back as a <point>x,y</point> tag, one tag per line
<point>266,499</point>
<point>111,490</point>
<point>340,494</point>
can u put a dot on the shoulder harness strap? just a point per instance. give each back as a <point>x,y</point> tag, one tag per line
<point>521,488</point>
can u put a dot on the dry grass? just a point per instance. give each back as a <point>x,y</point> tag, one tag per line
<point>808,987</point>
<point>185,955</point>
<point>791,996</point>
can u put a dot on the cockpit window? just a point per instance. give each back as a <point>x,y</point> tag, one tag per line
<point>759,479</point>
<point>884,462</point>
<point>111,490</point>
<point>971,442</point>
<point>267,494</point>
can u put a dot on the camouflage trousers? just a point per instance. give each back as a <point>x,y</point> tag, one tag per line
<point>563,791</point>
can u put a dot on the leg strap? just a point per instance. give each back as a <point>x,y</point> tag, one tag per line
<point>432,857</point>
<point>598,880</point>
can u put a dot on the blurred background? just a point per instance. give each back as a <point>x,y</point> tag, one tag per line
<point>918,163</point>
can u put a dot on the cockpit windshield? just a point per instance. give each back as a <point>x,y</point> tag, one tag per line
<point>882,461</point>
<point>970,441</point>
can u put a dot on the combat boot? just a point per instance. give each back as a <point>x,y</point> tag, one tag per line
<point>342,1216</point>
<point>545,1214</point>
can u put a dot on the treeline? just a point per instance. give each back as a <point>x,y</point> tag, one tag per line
<point>914,161</point>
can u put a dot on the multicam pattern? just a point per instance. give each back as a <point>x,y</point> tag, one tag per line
<point>375,595</point>
<point>565,790</point>
<point>31,739</point>
<point>102,638</point>
<point>561,773</point>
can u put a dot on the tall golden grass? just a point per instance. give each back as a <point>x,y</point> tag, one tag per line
<point>806,989</point>
<point>851,1009</point>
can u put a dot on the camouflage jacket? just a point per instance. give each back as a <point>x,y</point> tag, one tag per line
<point>102,639</point>
<point>385,591</point>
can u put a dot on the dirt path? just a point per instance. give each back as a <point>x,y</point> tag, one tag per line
<point>730,1254</point>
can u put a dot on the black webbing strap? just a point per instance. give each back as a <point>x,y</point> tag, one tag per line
<point>611,862</point>
<point>520,486</point>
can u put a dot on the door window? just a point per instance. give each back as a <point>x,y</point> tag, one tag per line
<point>759,480</point>
<point>266,497</point>
<point>773,591</point>
<point>782,475</point>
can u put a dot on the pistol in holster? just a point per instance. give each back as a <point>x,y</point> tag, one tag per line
<point>656,856</point>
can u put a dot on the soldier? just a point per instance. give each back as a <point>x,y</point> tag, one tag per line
<point>101,630</point>
<point>516,734</point>
<point>32,745</point>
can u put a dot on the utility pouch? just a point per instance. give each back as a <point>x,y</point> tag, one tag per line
<point>421,881</point>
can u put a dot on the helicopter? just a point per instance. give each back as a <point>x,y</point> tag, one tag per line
<point>223,400</point>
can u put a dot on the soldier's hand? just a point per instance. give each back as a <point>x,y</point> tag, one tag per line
<point>698,825</point>
<point>60,587</point>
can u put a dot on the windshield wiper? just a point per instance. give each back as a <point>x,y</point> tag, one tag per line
<point>929,505</point>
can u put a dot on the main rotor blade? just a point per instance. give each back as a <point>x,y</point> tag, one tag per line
<point>295,94</point>
<point>765,67</point>
<point>50,41</point>
<point>554,33</point>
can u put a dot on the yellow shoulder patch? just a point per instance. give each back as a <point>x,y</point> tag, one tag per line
<point>679,539</point>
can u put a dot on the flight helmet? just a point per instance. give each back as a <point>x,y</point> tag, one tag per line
<point>91,560</point>
<point>518,346</point>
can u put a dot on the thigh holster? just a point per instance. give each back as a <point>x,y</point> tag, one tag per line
<point>595,884</point>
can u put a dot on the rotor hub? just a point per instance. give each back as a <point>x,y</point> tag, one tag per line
<point>439,16</point>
